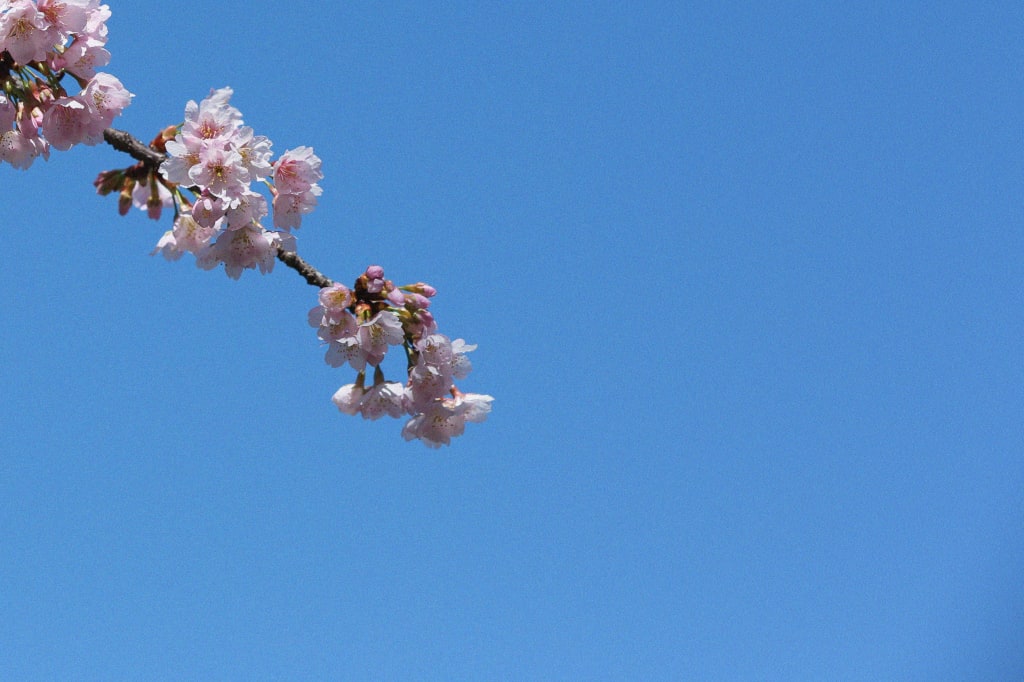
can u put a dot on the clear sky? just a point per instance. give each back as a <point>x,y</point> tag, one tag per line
<point>747,285</point>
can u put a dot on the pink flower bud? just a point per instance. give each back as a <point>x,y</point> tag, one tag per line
<point>396,297</point>
<point>422,288</point>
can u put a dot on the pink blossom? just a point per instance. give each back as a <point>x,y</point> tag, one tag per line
<point>345,349</point>
<point>255,152</point>
<point>213,118</point>
<point>335,299</point>
<point>436,425</point>
<point>383,398</point>
<point>339,326</point>
<point>247,211</point>
<point>297,170</point>
<point>446,419</point>
<point>65,16</point>
<point>81,58</point>
<point>474,407</point>
<point>208,210</point>
<point>347,398</point>
<point>250,247</point>
<point>183,154</point>
<point>67,122</point>
<point>295,175</point>
<point>167,246</point>
<point>420,324</point>
<point>106,98</point>
<point>186,235</point>
<point>449,357</point>
<point>315,317</point>
<point>440,361</point>
<point>20,150</point>
<point>96,25</point>
<point>23,32</point>
<point>436,351</point>
<point>366,345</point>
<point>30,119</point>
<point>289,208</point>
<point>427,385</point>
<point>220,172</point>
<point>376,334</point>
<point>461,365</point>
<point>332,316</point>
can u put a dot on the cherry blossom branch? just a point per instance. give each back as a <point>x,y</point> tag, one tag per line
<point>216,159</point>
<point>125,142</point>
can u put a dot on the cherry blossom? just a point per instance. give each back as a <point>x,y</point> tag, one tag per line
<point>67,122</point>
<point>385,398</point>
<point>106,98</point>
<point>213,118</point>
<point>220,172</point>
<point>335,299</point>
<point>297,170</point>
<point>245,248</point>
<point>249,207</point>
<point>376,334</point>
<point>187,236</point>
<point>23,32</point>
<point>289,208</point>
<point>296,174</point>
<point>19,150</point>
<point>82,57</point>
<point>348,398</point>
<point>65,17</point>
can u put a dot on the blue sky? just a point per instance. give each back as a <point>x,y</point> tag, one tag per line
<point>747,287</point>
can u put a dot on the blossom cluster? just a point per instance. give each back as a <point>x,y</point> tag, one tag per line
<point>359,325</point>
<point>42,42</point>
<point>217,159</point>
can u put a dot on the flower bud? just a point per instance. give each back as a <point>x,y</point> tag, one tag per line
<point>421,288</point>
<point>124,200</point>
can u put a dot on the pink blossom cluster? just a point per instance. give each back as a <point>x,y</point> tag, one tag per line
<point>217,159</point>
<point>41,42</point>
<point>359,325</point>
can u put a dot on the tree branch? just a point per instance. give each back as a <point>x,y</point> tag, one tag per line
<point>312,276</point>
<point>129,144</point>
<point>125,142</point>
